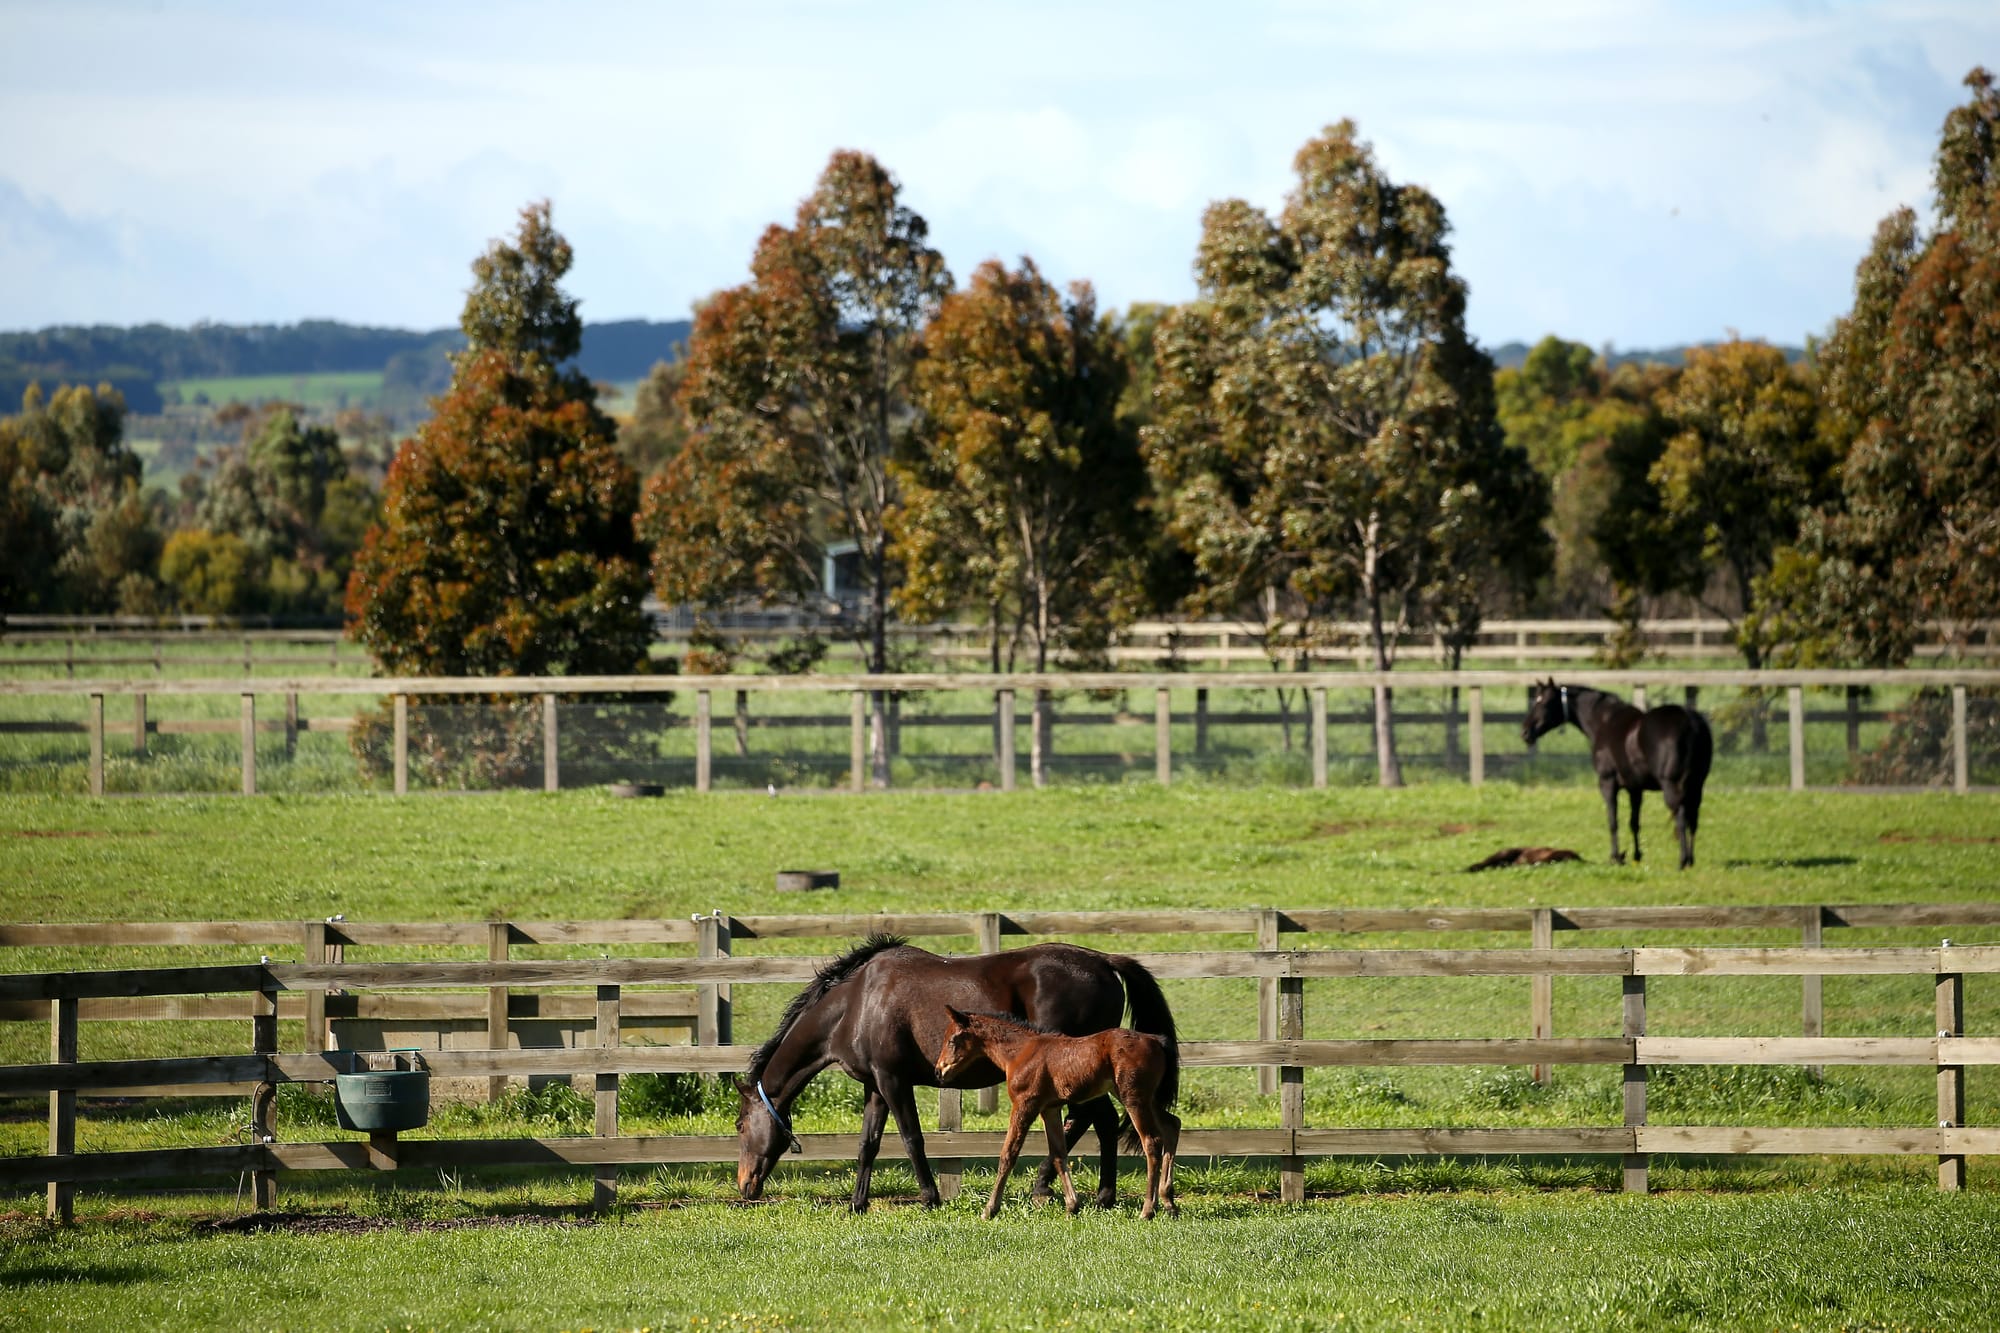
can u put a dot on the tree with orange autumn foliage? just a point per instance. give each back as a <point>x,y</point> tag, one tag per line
<point>506,545</point>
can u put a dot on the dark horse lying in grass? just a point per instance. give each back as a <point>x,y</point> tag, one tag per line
<point>878,1012</point>
<point>1045,1070</point>
<point>1665,749</point>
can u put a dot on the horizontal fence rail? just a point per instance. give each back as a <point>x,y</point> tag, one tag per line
<point>264,991</point>
<point>868,714</point>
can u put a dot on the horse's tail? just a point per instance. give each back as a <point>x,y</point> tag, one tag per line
<point>1151,1014</point>
<point>1701,752</point>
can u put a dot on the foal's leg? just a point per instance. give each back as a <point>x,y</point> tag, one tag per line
<point>1099,1114</point>
<point>1170,1133</point>
<point>1635,794</point>
<point>1052,1121</point>
<point>874,1114</point>
<point>1010,1151</point>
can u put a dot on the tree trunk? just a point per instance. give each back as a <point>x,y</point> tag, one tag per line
<point>1389,770</point>
<point>1451,713</point>
<point>878,664</point>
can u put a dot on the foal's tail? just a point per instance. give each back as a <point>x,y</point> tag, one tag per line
<point>1151,1014</point>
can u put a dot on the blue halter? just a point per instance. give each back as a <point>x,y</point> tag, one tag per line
<point>765,1098</point>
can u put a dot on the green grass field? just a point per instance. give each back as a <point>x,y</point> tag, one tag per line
<point>322,389</point>
<point>1507,1243</point>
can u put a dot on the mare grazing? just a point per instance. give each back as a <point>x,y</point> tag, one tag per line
<point>1665,749</point>
<point>878,1012</point>
<point>1046,1069</point>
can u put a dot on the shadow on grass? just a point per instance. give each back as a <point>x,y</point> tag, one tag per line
<point>102,1275</point>
<point>1790,863</point>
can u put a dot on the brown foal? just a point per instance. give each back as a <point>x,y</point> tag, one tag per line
<point>1045,1070</point>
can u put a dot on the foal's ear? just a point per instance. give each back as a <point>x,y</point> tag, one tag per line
<point>956,1016</point>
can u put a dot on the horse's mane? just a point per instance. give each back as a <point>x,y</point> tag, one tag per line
<point>1010,1021</point>
<point>829,976</point>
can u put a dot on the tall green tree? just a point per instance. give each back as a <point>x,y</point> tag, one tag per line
<point>87,540</point>
<point>506,545</point>
<point>799,390</point>
<point>1019,499</point>
<point>289,497</point>
<point>1321,416</point>
<point>1744,464</point>
<point>1911,382</point>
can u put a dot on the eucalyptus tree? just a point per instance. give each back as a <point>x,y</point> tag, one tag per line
<point>798,388</point>
<point>1324,431</point>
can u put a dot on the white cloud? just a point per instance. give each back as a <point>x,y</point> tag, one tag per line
<point>1601,163</point>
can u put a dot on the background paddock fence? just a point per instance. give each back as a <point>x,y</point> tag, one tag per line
<point>481,1014</point>
<point>95,642</point>
<point>956,729</point>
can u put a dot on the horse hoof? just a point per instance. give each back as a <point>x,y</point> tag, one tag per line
<point>1107,1199</point>
<point>858,1207</point>
<point>990,1213</point>
<point>1073,1207</point>
<point>929,1200</point>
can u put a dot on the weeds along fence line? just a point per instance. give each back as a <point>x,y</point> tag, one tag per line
<point>535,724</point>
<point>319,985</point>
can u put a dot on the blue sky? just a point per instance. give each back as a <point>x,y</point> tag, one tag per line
<point>1634,173</point>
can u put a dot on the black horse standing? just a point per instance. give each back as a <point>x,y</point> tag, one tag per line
<point>1664,749</point>
<point>878,1012</point>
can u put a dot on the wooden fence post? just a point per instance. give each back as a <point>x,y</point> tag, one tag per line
<point>1201,722</point>
<point>315,952</point>
<point>950,1171</point>
<point>291,725</point>
<point>857,742</point>
<point>249,730</point>
<point>989,942</point>
<point>1163,748</point>
<point>1542,989</point>
<point>1292,1088</point>
<point>1795,729</point>
<point>1269,924</point>
<point>551,754</point>
<point>604,1191</point>
<point>139,724</point>
<point>1319,737</point>
<point>704,739</point>
<point>1635,1163</point>
<point>95,725</point>
<point>713,1020</point>
<point>1960,768</point>
<point>1475,726</point>
<point>499,941</point>
<point>742,724</point>
<point>1812,1018</point>
<point>1005,700</point>
<point>62,1108</point>
<point>1951,1078</point>
<point>402,710</point>
<point>263,1101</point>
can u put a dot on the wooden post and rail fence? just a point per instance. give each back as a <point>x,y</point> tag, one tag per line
<point>448,995</point>
<point>1004,687</point>
<point>254,642</point>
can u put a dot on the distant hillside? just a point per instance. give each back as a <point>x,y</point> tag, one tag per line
<point>138,360</point>
<point>1510,356</point>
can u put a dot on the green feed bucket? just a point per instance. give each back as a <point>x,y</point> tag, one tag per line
<point>379,1101</point>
